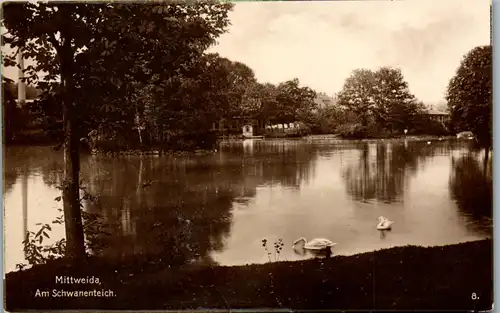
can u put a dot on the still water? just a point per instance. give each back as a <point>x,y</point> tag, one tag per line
<point>219,207</point>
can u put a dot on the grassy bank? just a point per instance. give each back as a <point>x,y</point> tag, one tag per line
<point>398,278</point>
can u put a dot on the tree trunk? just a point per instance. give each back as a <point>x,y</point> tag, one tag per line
<point>75,247</point>
<point>364,119</point>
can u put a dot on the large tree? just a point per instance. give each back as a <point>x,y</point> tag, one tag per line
<point>470,97</point>
<point>395,107</point>
<point>189,104</point>
<point>357,94</point>
<point>104,50</point>
<point>261,101</point>
<point>293,100</point>
<point>240,80</point>
<point>381,97</point>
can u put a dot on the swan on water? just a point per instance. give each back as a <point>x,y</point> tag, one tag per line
<point>318,247</point>
<point>315,244</point>
<point>384,223</point>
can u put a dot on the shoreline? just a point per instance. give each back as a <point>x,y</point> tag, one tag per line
<point>310,138</point>
<point>396,138</point>
<point>409,277</point>
<point>154,151</point>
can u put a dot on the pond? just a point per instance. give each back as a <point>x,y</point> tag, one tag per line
<point>218,208</point>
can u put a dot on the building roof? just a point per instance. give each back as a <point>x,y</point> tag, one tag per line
<point>436,112</point>
<point>323,100</point>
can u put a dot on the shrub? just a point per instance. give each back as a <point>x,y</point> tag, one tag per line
<point>352,131</point>
<point>94,227</point>
<point>429,127</point>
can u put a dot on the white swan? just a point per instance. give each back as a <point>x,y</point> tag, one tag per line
<point>384,223</point>
<point>315,244</point>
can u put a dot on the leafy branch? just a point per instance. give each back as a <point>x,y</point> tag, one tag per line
<point>37,253</point>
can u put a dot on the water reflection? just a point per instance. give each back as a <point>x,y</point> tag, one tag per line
<point>284,163</point>
<point>24,187</point>
<point>217,208</point>
<point>383,233</point>
<point>383,169</point>
<point>178,210</point>
<point>471,186</point>
<point>155,211</point>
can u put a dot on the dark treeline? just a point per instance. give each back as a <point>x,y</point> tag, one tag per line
<point>371,104</point>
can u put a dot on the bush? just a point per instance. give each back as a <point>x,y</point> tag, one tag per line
<point>429,127</point>
<point>352,131</point>
<point>193,141</point>
<point>204,140</point>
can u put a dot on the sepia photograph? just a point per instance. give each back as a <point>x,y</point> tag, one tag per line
<point>260,155</point>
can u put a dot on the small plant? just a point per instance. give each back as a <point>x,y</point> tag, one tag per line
<point>264,244</point>
<point>21,266</point>
<point>37,253</point>
<point>278,246</point>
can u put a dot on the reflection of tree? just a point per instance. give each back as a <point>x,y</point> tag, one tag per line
<point>382,170</point>
<point>9,179</point>
<point>161,209</point>
<point>24,187</point>
<point>173,210</point>
<point>179,209</point>
<point>13,168</point>
<point>287,163</point>
<point>471,187</point>
<point>32,160</point>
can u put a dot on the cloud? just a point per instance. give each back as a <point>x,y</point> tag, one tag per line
<point>321,42</point>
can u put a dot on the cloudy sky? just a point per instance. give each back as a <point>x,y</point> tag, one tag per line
<point>322,42</point>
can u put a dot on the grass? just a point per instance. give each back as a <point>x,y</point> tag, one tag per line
<point>410,277</point>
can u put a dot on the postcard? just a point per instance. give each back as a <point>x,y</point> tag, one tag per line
<point>272,156</point>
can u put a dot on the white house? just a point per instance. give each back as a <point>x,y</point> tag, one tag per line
<point>247,130</point>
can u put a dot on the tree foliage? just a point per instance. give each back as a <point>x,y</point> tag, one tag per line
<point>10,109</point>
<point>329,120</point>
<point>357,94</point>
<point>380,99</point>
<point>97,57</point>
<point>293,101</point>
<point>469,94</point>
<point>283,103</point>
<point>395,106</point>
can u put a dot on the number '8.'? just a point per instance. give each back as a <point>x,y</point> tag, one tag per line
<point>474,296</point>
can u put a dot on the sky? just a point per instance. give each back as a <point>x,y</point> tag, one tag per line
<point>322,42</point>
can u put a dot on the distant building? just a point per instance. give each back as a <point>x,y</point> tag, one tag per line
<point>324,101</point>
<point>247,130</point>
<point>246,126</point>
<point>439,116</point>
